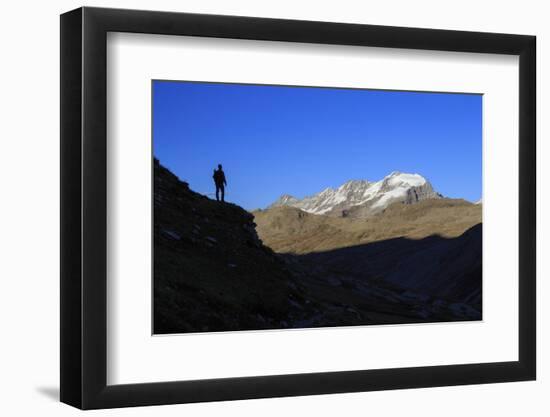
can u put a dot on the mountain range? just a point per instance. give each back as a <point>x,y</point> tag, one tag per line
<point>363,198</point>
<point>392,251</point>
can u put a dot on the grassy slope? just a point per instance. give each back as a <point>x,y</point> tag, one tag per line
<point>287,229</point>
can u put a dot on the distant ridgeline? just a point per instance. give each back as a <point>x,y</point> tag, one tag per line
<point>361,198</point>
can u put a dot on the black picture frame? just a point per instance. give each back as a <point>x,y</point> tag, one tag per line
<point>84,207</point>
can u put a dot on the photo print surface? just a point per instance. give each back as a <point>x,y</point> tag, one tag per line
<point>280,207</point>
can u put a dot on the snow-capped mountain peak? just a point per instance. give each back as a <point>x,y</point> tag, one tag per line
<point>373,196</point>
<point>397,177</point>
<point>353,184</point>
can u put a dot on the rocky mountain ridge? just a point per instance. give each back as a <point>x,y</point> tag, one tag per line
<point>362,198</point>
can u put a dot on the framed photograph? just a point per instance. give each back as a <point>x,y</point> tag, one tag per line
<point>258,208</point>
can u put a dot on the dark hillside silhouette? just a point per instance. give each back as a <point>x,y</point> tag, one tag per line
<point>211,271</point>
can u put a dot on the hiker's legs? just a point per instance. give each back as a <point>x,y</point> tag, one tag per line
<point>218,193</point>
<point>223,193</point>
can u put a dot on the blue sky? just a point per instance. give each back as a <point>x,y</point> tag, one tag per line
<point>274,140</point>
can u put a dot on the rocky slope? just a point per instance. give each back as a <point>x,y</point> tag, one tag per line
<point>361,198</point>
<point>432,248</point>
<point>213,273</point>
<point>291,230</point>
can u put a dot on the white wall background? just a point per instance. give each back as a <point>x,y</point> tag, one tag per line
<point>29,226</point>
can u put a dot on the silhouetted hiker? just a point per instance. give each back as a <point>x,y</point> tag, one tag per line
<point>219,180</point>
